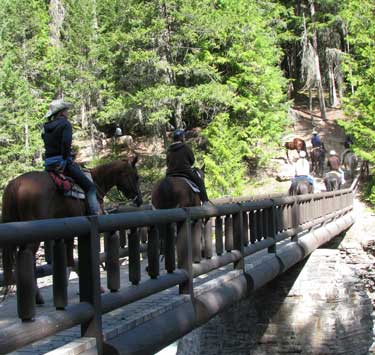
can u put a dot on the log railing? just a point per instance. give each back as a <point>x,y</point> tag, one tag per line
<point>195,241</point>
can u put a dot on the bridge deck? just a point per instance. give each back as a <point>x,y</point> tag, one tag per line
<point>121,319</point>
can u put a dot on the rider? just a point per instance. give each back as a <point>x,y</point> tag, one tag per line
<point>302,169</point>
<point>315,140</point>
<point>333,164</point>
<point>57,137</point>
<point>180,159</point>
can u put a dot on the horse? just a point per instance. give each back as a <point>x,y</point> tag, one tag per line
<point>173,192</point>
<point>318,156</point>
<point>350,162</point>
<point>34,196</point>
<point>332,181</point>
<point>297,144</point>
<point>300,187</point>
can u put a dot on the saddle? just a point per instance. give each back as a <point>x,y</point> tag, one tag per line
<point>189,182</point>
<point>67,186</point>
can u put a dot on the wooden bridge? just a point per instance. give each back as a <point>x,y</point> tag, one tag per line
<point>214,256</point>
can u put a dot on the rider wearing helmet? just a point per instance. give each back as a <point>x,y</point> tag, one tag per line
<point>315,139</point>
<point>180,159</point>
<point>57,137</point>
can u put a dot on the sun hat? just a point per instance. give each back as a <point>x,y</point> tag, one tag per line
<point>314,131</point>
<point>332,152</point>
<point>57,106</point>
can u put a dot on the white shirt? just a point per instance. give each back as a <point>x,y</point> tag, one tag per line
<point>301,167</point>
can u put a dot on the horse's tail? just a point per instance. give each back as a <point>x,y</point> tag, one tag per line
<point>9,214</point>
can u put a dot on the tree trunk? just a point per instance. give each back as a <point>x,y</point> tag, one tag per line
<point>317,65</point>
<point>57,14</point>
<point>332,87</point>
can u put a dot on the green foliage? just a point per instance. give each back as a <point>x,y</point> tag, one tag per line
<point>360,67</point>
<point>224,168</point>
<point>145,65</point>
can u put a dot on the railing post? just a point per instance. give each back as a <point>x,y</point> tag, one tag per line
<point>25,281</point>
<point>60,277</point>
<point>238,237</point>
<point>89,281</point>
<point>208,238</point>
<point>185,255</point>
<point>196,241</point>
<point>112,261</point>
<point>134,242</point>
<point>273,222</point>
<point>219,235</point>
<point>228,233</point>
<point>153,252</point>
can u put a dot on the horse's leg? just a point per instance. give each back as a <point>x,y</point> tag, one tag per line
<point>38,296</point>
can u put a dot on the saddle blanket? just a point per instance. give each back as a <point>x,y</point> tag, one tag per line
<point>192,185</point>
<point>67,185</point>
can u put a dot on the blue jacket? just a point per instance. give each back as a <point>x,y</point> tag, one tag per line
<point>315,141</point>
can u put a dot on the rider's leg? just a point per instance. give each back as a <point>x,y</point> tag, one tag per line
<point>342,176</point>
<point>87,185</point>
<point>200,183</point>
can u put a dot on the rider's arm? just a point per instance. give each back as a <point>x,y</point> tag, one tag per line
<point>66,141</point>
<point>190,155</point>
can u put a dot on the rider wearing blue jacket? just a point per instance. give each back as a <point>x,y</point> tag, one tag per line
<point>57,137</point>
<point>315,139</point>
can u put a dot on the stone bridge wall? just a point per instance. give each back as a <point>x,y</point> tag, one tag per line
<point>317,307</point>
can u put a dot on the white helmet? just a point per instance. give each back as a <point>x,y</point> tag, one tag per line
<point>302,154</point>
<point>332,152</point>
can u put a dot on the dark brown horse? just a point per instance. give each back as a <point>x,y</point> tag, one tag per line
<point>33,196</point>
<point>297,144</point>
<point>318,156</point>
<point>174,191</point>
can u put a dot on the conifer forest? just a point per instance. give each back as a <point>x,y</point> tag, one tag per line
<point>232,68</point>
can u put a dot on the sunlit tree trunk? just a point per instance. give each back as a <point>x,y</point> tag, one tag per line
<point>317,64</point>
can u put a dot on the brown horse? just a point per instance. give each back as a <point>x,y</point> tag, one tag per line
<point>174,191</point>
<point>318,156</point>
<point>297,144</point>
<point>34,195</point>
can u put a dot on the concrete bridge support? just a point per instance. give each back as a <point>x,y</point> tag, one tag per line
<point>317,307</point>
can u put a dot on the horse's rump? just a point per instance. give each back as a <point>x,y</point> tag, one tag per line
<point>301,187</point>
<point>174,191</point>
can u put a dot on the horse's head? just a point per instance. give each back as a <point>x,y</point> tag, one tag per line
<point>127,180</point>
